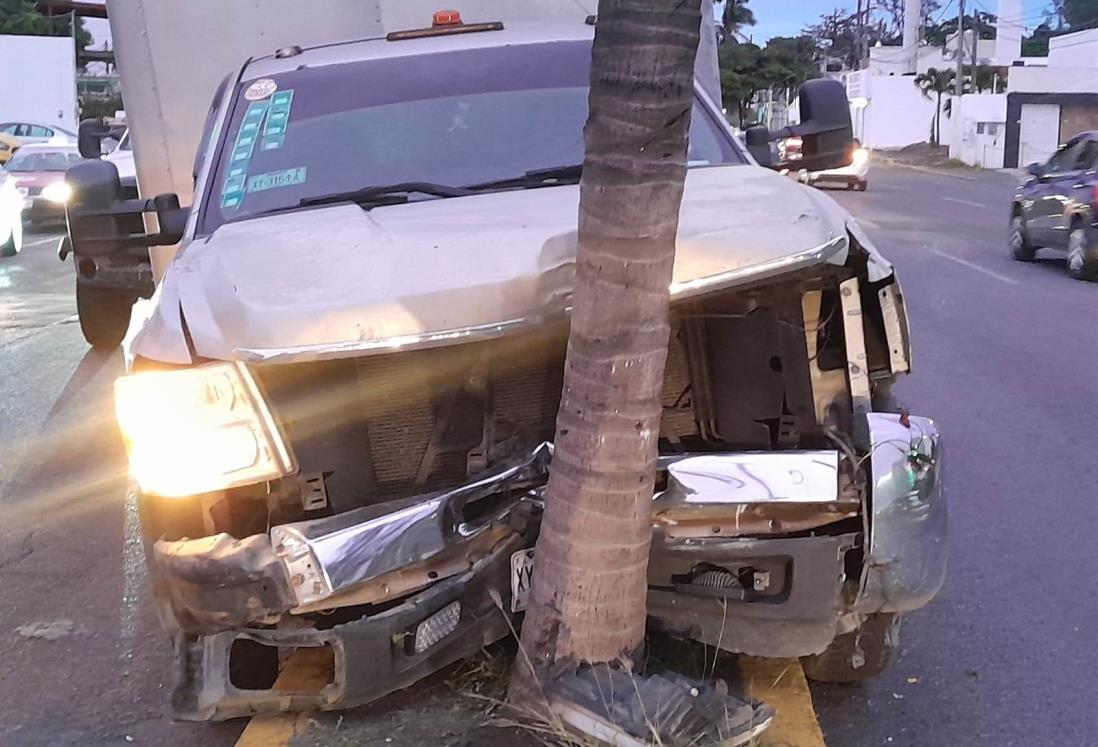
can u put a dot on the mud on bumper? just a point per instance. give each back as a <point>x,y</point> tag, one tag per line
<point>759,554</point>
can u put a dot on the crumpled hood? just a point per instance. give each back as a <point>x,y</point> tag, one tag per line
<point>340,280</point>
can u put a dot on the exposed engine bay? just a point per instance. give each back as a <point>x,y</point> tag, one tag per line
<point>405,536</point>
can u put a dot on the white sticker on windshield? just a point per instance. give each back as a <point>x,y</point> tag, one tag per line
<point>261,89</point>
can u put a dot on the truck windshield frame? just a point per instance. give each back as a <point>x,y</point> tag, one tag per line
<point>460,117</point>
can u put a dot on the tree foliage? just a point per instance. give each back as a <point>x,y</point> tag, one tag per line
<point>19,17</point>
<point>837,33</point>
<point>1077,15</point>
<point>935,82</point>
<point>889,15</point>
<point>936,34</point>
<point>783,64</point>
<point>735,16</point>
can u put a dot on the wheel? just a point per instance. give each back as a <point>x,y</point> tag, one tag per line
<point>857,656</point>
<point>14,244</point>
<point>1082,259</point>
<point>104,314</point>
<point>1020,248</point>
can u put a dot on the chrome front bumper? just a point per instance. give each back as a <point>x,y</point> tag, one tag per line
<point>756,553</point>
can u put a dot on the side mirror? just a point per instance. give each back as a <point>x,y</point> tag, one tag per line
<point>90,136</point>
<point>825,129</point>
<point>758,145</point>
<point>102,222</point>
<point>1035,169</point>
<point>827,137</point>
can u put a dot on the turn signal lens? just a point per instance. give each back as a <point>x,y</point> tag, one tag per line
<point>198,430</point>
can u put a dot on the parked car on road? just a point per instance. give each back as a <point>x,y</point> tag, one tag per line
<point>1057,208</point>
<point>8,145</point>
<point>855,176</point>
<point>11,216</point>
<point>30,133</point>
<point>340,401</point>
<point>39,174</point>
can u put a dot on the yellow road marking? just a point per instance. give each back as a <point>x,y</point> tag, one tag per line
<point>307,670</point>
<point>780,683</point>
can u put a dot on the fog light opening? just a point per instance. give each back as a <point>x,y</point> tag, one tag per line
<point>288,669</point>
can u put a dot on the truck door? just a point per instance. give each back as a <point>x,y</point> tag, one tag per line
<point>1084,191</point>
<point>1048,222</point>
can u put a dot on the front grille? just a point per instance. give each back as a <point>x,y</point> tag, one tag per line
<point>390,426</point>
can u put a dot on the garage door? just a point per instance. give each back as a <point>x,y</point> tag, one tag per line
<point>1076,119</point>
<point>1040,133</point>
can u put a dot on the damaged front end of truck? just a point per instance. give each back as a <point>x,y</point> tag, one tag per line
<point>378,500</point>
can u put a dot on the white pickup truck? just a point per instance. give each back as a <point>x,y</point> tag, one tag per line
<point>340,411</point>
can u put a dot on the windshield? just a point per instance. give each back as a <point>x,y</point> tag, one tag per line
<point>455,118</point>
<point>24,160</point>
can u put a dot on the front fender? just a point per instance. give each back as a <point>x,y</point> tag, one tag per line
<point>906,563</point>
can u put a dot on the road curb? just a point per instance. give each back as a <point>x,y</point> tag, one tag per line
<point>977,176</point>
<point>781,684</point>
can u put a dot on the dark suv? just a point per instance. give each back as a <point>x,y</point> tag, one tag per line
<point>1057,207</point>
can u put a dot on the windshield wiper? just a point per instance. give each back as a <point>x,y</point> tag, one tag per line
<point>390,194</point>
<point>550,177</point>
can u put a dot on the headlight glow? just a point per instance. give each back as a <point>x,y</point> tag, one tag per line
<point>198,430</point>
<point>57,192</point>
<point>861,155</point>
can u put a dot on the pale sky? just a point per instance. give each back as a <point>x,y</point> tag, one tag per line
<point>788,17</point>
<point>775,17</point>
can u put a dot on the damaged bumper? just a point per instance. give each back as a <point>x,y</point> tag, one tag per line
<point>764,553</point>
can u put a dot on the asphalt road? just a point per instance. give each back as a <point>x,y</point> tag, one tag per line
<point>1005,358</point>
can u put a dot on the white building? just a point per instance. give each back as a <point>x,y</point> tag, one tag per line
<point>40,80</point>
<point>1048,104</point>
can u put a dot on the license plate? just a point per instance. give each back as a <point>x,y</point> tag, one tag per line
<point>522,569</point>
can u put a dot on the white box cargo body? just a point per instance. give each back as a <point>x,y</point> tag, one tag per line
<point>172,56</point>
<point>39,80</point>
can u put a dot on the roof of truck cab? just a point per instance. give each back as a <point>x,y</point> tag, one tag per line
<point>513,33</point>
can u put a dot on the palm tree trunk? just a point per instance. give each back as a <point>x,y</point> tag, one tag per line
<point>938,121</point>
<point>589,588</point>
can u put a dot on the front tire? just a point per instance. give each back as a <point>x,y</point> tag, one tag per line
<point>1020,248</point>
<point>857,656</point>
<point>1082,259</point>
<point>14,244</point>
<point>104,314</point>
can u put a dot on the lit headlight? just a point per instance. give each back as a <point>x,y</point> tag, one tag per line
<point>57,192</point>
<point>198,430</point>
<point>861,155</point>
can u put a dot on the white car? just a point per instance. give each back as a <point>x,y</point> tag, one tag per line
<point>30,133</point>
<point>122,158</point>
<point>11,216</point>
<point>855,176</point>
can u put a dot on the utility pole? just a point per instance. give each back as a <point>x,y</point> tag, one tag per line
<point>858,31</point>
<point>960,82</point>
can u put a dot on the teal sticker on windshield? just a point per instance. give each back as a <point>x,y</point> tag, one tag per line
<point>232,191</point>
<point>278,118</point>
<point>276,179</point>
